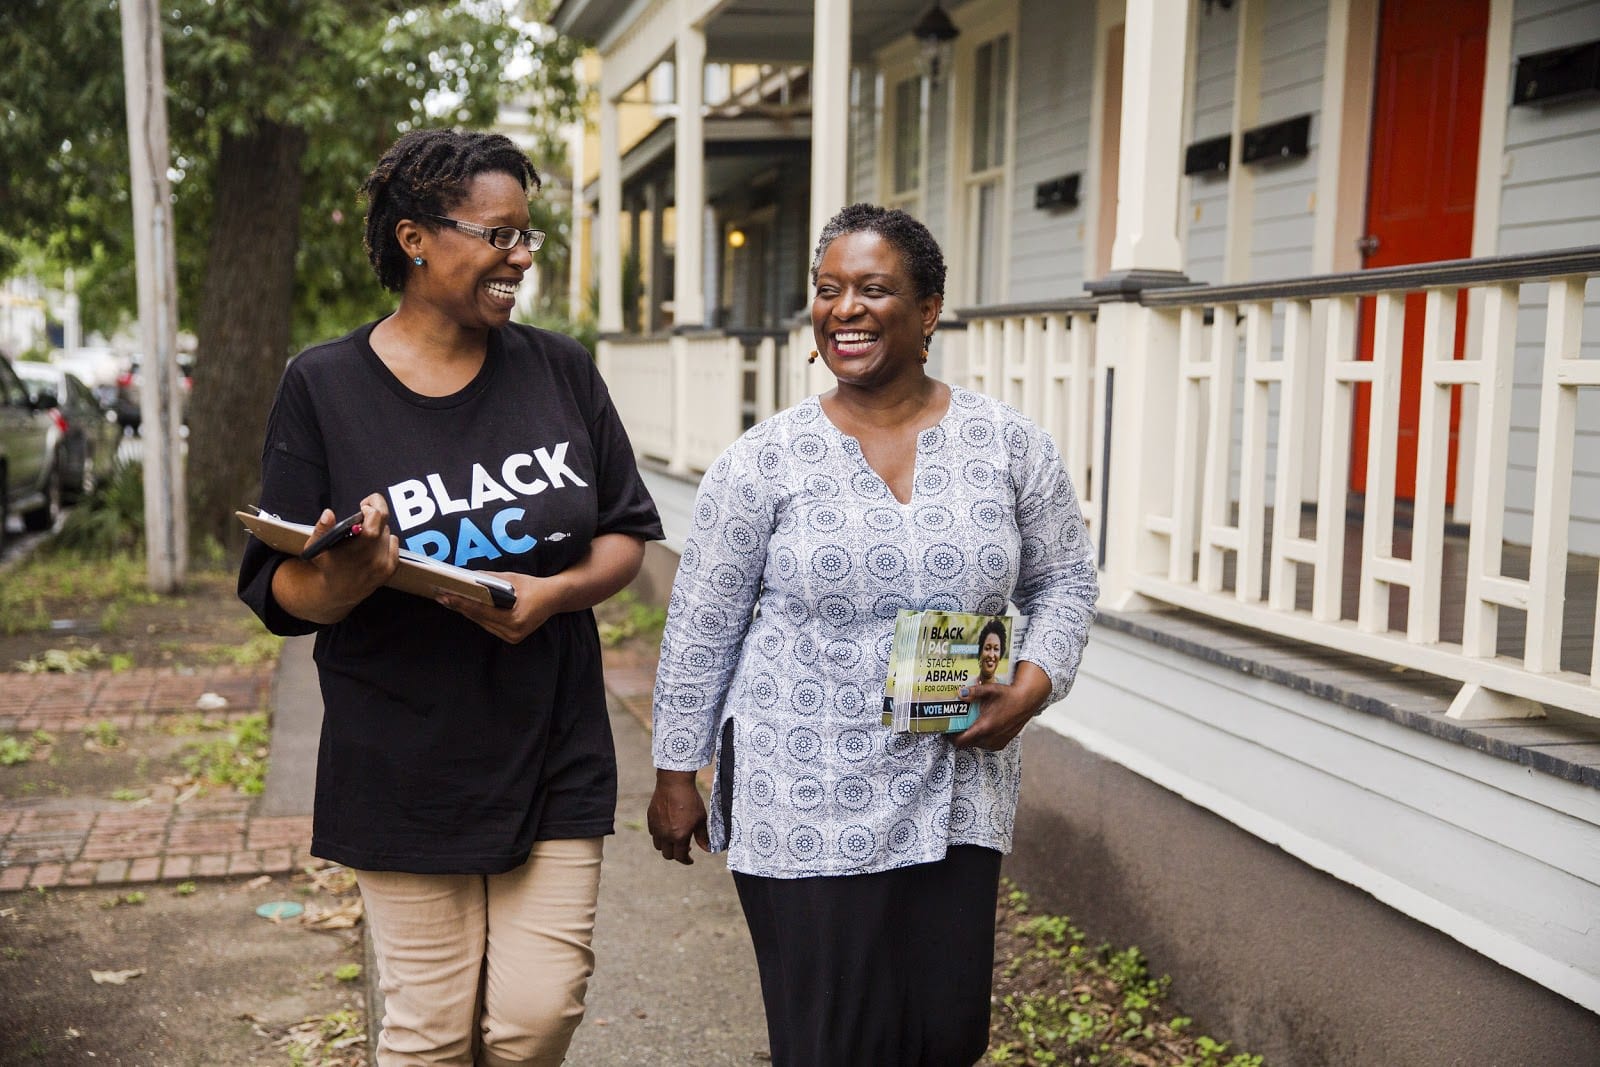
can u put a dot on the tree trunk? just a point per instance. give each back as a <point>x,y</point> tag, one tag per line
<point>246,304</point>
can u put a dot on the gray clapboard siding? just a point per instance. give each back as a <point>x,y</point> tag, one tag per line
<point>1550,198</point>
<point>1544,24</point>
<point>1055,84</point>
<point>866,114</point>
<point>935,201</point>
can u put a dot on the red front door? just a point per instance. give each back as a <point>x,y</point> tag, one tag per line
<point>1426,111</point>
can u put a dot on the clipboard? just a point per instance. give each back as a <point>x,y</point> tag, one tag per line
<point>416,574</point>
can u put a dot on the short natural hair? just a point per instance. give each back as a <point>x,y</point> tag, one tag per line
<point>924,261</point>
<point>996,627</point>
<point>426,172</point>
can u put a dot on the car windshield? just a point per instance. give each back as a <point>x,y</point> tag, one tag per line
<point>35,383</point>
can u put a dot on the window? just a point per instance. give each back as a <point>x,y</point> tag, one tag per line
<point>902,162</point>
<point>906,168</point>
<point>983,187</point>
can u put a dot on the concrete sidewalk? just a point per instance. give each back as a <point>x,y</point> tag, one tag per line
<point>675,979</point>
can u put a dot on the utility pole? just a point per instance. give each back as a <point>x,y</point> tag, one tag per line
<point>165,510</point>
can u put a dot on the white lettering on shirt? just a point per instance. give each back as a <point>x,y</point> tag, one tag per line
<point>448,505</point>
<point>508,474</point>
<point>485,488</point>
<point>555,465</point>
<point>412,505</point>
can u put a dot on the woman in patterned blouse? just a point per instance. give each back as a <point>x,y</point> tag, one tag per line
<point>867,861</point>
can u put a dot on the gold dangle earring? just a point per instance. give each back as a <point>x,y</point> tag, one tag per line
<point>813,358</point>
<point>925,350</point>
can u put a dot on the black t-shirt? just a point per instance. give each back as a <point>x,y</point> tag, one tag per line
<point>445,749</point>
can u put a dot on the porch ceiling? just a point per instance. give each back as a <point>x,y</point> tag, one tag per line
<point>755,31</point>
<point>736,149</point>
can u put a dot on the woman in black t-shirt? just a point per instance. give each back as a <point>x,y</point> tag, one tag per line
<point>466,769</point>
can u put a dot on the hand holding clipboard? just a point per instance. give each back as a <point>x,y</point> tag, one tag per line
<point>416,574</point>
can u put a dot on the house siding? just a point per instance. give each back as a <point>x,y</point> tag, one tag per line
<point>1550,198</point>
<point>866,113</point>
<point>1292,60</point>
<point>936,204</point>
<point>1216,43</point>
<point>1055,87</point>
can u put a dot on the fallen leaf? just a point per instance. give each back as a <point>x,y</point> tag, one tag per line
<point>341,917</point>
<point>335,879</point>
<point>258,882</point>
<point>115,977</point>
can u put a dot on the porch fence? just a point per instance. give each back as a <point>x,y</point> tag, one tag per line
<point>1269,499</point>
<point>686,397</point>
<point>1247,397</point>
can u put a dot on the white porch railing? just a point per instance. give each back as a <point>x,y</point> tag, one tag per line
<point>1299,339</point>
<point>686,397</point>
<point>1040,359</point>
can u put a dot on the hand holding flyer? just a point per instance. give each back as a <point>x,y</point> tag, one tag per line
<point>937,654</point>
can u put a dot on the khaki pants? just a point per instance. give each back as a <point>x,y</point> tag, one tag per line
<point>493,964</point>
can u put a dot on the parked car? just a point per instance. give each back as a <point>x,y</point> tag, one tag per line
<point>85,434</point>
<point>30,485</point>
<point>97,367</point>
<point>129,385</point>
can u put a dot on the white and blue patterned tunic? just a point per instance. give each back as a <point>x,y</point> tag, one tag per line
<point>782,616</point>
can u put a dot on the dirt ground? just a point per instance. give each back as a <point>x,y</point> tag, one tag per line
<point>202,625</point>
<point>216,984</point>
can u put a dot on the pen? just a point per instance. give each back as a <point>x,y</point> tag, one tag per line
<point>343,530</point>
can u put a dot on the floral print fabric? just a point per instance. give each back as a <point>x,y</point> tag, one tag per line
<point>782,616</point>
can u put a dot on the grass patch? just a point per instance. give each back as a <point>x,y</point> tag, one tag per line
<point>332,1040</point>
<point>262,647</point>
<point>626,617</point>
<point>103,735</point>
<point>1062,1001</point>
<point>14,751</point>
<point>238,759</point>
<point>62,661</point>
<point>44,578</point>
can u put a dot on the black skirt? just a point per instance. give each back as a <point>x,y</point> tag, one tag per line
<point>892,969</point>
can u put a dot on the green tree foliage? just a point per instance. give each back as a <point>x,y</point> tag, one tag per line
<point>276,109</point>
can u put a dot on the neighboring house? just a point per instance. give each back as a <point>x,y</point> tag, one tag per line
<point>1333,758</point>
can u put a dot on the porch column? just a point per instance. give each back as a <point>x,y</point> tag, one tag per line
<point>578,253</point>
<point>1154,77</point>
<point>688,296</point>
<point>610,221</point>
<point>631,317</point>
<point>654,203</point>
<point>1138,348</point>
<point>830,112</point>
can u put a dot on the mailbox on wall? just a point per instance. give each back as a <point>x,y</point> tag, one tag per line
<point>1208,157</point>
<point>1289,139</point>
<point>1057,194</point>
<point>1559,75</point>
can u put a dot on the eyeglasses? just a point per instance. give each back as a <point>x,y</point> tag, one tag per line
<point>505,238</point>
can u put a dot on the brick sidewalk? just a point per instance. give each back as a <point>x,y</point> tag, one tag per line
<point>93,841</point>
<point>77,841</point>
